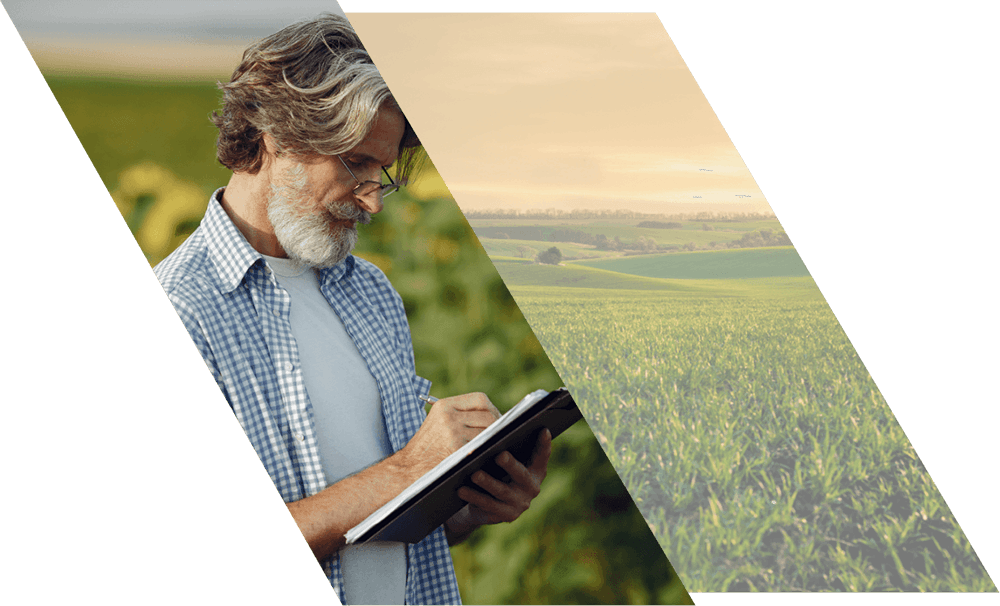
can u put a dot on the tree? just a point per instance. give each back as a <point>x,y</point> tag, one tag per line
<point>523,250</point>
<point>551,256</point>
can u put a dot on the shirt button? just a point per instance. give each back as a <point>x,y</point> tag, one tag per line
<point>276,312</point>
<point>289,366</point>
<point>300,437</point>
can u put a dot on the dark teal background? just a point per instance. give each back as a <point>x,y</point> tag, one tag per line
<point>871,129</point>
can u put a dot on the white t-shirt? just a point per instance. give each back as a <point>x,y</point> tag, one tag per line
<point>350,425</point>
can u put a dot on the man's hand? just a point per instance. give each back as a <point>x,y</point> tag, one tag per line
<point>501,501</point>
<point>324,517</point>
<point>451,423</point>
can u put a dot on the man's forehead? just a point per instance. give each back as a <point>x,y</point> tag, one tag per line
<point>383,141</point>
<point>359,155</point>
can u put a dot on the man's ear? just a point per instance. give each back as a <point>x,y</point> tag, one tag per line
<point>270,146</point>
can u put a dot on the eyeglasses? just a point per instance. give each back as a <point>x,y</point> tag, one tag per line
<point>366,189</point>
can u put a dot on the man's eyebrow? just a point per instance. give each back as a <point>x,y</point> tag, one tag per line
<point>354,157</point>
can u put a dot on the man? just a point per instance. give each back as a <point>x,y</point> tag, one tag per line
<point>311,345</point>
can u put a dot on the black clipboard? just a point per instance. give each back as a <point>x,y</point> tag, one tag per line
<point>423,512</point>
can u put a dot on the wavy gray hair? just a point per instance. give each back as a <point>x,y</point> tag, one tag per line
<point>313,87</point>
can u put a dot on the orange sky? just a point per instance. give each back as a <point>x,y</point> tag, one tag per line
<point>558,111</point>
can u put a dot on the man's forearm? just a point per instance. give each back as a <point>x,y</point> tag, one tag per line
<point>325,517</point>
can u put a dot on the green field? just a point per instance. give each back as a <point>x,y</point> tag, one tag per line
<point>721,264</point>
<point>518,248</point>
<point>627,232</point>
<point>518,272</point>
<point>126,122</point>
<point>753,439</point>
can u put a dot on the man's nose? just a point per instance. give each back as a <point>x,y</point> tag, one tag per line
<point>371,203</point>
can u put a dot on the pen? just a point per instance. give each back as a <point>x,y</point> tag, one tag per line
<point>428,398</point>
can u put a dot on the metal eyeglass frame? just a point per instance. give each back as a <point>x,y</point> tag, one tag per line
<point>384,189</point>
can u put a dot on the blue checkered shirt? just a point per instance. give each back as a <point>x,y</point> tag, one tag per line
<point>237,316</point>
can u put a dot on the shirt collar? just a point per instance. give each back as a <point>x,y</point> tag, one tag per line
<point>340,271</point>
<point>230,252</point>
<point>234,257</point>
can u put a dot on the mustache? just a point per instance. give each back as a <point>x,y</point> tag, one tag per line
<point>349,213</point>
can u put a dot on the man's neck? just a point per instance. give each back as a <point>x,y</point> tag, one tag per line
<point>245,201</point>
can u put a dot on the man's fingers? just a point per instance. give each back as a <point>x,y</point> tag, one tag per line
<point>543,450</point>
<point>492,510</point>
<point>530,477</point>
<point>499,490</point>
<point>506,501</point>
<point>465,429</point>
<point>477,419</point>
<point>473,401</point>
<point>483,501</point>
<point>520,475</point>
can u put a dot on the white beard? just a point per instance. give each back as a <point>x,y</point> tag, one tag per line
<point>312,238</point>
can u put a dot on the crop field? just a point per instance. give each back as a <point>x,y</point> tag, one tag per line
<point>754,441</point>
<point>724,264</point>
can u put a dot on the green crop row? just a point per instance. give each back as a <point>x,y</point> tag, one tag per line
<point>754,441</point>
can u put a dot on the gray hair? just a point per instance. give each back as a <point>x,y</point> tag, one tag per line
<point>313,87</point>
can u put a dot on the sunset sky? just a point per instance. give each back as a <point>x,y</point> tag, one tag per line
<point>567,111</point>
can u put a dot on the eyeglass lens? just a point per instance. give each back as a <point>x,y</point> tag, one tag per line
<point>370,187</point>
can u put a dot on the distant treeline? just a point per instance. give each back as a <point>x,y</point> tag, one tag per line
<point>544,234</point>
<point>764,237</point>
<point>552,214</point>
